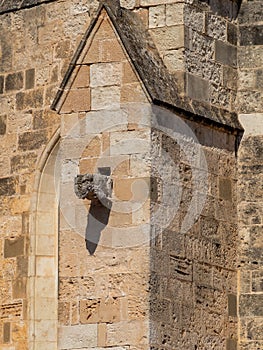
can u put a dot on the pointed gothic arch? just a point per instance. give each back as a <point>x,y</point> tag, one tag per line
<point>43,252</point>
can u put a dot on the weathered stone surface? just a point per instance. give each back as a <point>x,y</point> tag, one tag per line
<point>197,88</point>
<point>28,100</point>
<point>14,81</point>
<point>2,124</point>
<point>79,336</point>
<point>1,84</point>
<point>30,141</point>
<point>14,247</point>
<point>30,78</point>
<point>225,53</point>
<point>251,35</point>
<point>8,186</point>
<point>6,332</point>
<point>251,305</point>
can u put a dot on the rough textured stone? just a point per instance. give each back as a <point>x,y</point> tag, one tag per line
<point>2,124</point>
<point>29,141</point>
<point>14,81</point>
<point>7,186</point>
<point>30,78</point>
<point>148,283</point>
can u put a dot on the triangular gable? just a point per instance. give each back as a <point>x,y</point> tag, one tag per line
<point>138,46</point>
<point>126,38</point>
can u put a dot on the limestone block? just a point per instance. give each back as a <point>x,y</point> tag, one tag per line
<point>44,286</point>
<point>133,333</point>
<point>82,78</point>
<point>169,38</point>
<point>45,330</point>
<point>254,329</point>
<point>14,81</point>
<point>77,101</point>
<point>108,120</point>
<point>105,98</point>
<point>44,345</point>
<point>175,14</point>
<point>200,44</point>
<point>2,124</point>
<point>32,140</point>
<point>29,99</point>
<point>216,27</point>
<point>132,142</point>
<point>45,266</point>
<point>250,305</point>
<point>225,189</point>
<point>30,78</point>
<point>14,247</point>
<point>109,55</point>
<point>105,74</point>
<point>128,73</point>
<point>157,2</point>
<point>194,18</point>
<point>46,308</point>
<point>45,245</point>
<point>175,60</point>
<point>19,288</point>
<point>128,4</point>
<point>133,93</point>
<point>197,88</point>
<point>225,53</point>
<point>257,281</point>
<point>157,16</point>
<point>79,336</point>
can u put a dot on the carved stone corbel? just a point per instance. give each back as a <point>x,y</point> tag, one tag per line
<point>93,187</point>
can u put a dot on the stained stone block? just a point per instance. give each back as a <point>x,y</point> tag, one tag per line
<point>197,88</point>
<point>30,78</point>
<point>254,329</point>
<point>251,305</point>
<point>31,140</point>
<point>14,247</point>
<point>232,33</point>
<point>14,81</point>
<point>252,35</point>
<point>232,305</point>
<point>225,189</point>
<point>7,186</point>
<point>257,281</point>
<point>1,84</point>
<point>19,288</point>
<point>29,99</point>
<point>231,344</point>
<point>225,53</point>
<point>2,124</point>
<point>6,332</point>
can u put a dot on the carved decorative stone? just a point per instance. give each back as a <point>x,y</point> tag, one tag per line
<point>94,186</point>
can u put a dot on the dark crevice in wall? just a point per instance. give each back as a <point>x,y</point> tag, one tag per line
<point>226,8</point>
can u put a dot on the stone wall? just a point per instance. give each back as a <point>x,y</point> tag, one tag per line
<point>193,301</point>
<point>32,64</point>
<point>180,290</point>
<point>250,64</point>
<point>103,284</point>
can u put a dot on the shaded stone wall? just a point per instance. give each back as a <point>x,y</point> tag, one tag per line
<point>250,89</point>
<point>194,261</point>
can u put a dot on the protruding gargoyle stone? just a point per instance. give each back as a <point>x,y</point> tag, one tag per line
<point>93,187</point>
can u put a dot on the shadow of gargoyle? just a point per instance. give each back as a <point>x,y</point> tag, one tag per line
<point>98,189</point>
